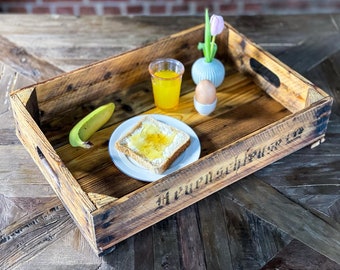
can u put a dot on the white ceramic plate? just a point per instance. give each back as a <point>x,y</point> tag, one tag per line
<point>132,169</point>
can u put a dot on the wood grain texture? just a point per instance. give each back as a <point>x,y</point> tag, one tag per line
<point>308,178</point>
<point>300,224</point>
<point>190,239</point>
<point>294,255</point>
<point>22,238</point>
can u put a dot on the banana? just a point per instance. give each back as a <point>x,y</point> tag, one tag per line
<point>86,127</point>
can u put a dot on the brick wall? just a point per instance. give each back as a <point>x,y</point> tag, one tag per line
<point>169,7</point>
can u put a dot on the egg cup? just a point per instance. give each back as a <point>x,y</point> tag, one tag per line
<point>204,109</point>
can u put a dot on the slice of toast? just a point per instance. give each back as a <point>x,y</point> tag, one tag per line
<point>153,144</point>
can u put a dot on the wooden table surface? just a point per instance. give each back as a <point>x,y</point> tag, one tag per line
<point>285,216</point>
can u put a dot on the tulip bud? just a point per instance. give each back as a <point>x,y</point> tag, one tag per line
<point>216,25</point>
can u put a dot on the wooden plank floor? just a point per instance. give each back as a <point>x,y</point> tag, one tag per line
<point>285,216</point>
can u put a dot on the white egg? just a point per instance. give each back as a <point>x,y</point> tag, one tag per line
<point>205,92</point>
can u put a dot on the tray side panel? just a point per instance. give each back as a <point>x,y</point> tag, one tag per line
<point>65,186</point>
<point>282,83</point>
<point>98,80</point>
<point>154,202</point>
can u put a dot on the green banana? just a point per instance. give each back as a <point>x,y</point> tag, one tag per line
<point>80,134</point>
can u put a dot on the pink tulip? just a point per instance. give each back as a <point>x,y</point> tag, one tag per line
<point>216,25</point>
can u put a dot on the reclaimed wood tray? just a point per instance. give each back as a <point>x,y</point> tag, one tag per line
<point>265,111</point>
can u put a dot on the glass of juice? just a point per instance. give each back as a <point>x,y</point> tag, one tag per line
<point>166,78</point>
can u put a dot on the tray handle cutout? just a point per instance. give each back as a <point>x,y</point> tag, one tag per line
<point>266,73</point>
<point>48,167</point>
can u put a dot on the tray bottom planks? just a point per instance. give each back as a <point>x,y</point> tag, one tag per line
<point>242,109</point>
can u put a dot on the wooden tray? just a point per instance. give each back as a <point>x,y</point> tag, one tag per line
<point>265,111</point>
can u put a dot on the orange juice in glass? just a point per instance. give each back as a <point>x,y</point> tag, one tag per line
<point>166,78</point>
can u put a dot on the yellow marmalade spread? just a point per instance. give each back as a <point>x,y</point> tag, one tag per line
<point>150,141</point>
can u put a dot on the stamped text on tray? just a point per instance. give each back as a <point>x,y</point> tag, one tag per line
<point>233,166</point>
